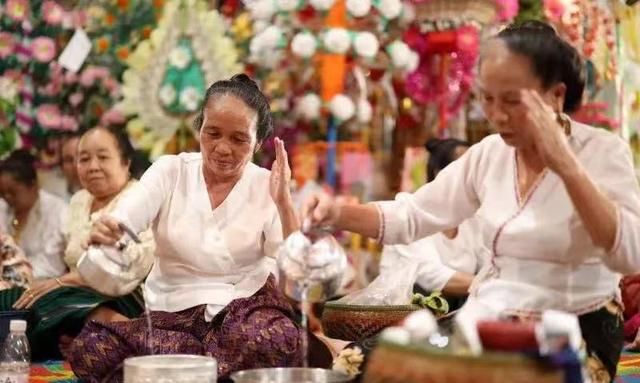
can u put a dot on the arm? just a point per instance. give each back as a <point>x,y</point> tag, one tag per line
<point>280,192</point>
<point>458,284</point>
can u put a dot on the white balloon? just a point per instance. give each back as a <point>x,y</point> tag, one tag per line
<point>287,5</point>
<point>308,106</point>
<point>304,45</point>
<point>262,9</point>
<point>399,53</point>
<point>413,62</point>
<point>358,8</point>
<point>390,9</point>
<point>322,5</point>
<point>366,44</point>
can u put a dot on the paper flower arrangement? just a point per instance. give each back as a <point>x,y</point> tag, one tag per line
<point>169,73</point>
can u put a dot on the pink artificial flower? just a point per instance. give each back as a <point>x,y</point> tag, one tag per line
<point>48,116</point>
<point>17,9</point>
<point>87,77</point>
<point>76,98</point>
<point>43,49</point>
<point>555,9</point>
<point>111,84</point>
<point>69,123</point>
<point>52,12</point>
<point>112,117</point>
<point>100,72</point>
<point>508,9</point>
<point>70,78</point>
<point>7,44</point>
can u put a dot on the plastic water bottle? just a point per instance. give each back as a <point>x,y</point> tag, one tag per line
<point>16,354</point>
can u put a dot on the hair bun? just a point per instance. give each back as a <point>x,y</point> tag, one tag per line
<point>432,144</point>
<point>244,79</point>
<point>535,25</point>
<point>23,155</point>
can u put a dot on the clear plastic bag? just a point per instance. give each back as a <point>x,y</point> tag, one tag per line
<point>393,288</point>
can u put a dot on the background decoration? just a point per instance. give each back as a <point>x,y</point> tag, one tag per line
<point>168,74</point>
<point>9,135</point>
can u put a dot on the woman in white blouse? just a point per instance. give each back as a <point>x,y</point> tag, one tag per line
<point>558,201</point>
<point>31,215</point>
<point>217,219</point>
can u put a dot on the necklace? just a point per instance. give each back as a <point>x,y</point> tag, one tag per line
<point>17,228</point>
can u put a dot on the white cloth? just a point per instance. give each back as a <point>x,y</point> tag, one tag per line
<point>203,256</point>
<point>542,256</point>
<point>438,256</point>
<point>42,236</point>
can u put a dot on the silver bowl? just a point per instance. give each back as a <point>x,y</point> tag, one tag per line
<point>170,369</point>
<point>289,375</point>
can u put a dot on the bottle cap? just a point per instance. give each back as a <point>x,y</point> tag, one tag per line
<point>17,325</point>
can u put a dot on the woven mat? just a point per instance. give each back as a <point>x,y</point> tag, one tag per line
<point>53,371</point>
<point>629,368</point>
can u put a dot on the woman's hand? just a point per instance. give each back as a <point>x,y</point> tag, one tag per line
<point>280,178</point>
<point>548,136</point>
<point>105,231</point>
<point>320,210</point>
<point>37,290</point>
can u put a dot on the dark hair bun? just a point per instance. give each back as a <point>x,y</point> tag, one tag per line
<point>535,25</point>
<point>244,79</point>
<point>432,144</point>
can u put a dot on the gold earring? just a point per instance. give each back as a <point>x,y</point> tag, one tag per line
<point>564,122</point>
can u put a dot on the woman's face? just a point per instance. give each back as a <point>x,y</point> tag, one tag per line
<point>18,195</point>
<point>502,76</point>
<point>227,136</point>
<point>100,167</point>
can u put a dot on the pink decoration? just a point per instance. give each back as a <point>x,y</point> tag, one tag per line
<point>18,10</point>
<point>112,117</point>
<point>111,84</point>
<point>7,44</point>
<point>508,9</point>
<point>70,78</point>
<point>75,99</point>
<point>555,9</point>
<point>69,123</point>
<point>52,12</point>
<point>48,116</point>
<point>43,49</point>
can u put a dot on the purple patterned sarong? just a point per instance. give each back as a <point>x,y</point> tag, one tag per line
<point>253,332</point>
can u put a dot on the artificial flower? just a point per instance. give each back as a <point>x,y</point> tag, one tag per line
<point>365,111</point>
<point>262,9</point>
<point>110,84</point>
<point>190,99</point>
<point>304,45</point>
<point>7,44</point>
<point>17,9</point>
<point>122,53</point>
<point>75,99</point>
<point>322,5</point>
<point>507,9</point>
<point>87,78</point>
<point>413,62</point>
<point>43,49</point>
<point>180,57</point>
<point>342,107</point>
<point>123,4</point>
<point>48,116</point>
<point>336,40</point>
<point>358,8</point>
<point>112,117</point>
<point>390,9</point>
<point>400,54</point>
<point>167,94</point>
<point>69,123</point>
<point>366,44</point>
<point>102,44</point>
<point>287,5</point>
<point>8,88</point>
<point>70,78</point>
<point>308,107</point>
<point>349,361</point>
<point>52,12</point>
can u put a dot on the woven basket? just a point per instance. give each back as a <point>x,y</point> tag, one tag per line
<point>358,322</point>
<point>396,364</point>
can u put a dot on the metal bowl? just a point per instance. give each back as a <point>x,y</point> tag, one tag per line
<point>289,375</point>
<point>170,369</point>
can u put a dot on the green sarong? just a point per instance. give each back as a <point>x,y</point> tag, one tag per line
<point>64,311</point>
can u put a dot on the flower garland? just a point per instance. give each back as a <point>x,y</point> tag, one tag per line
<point>196,51</point>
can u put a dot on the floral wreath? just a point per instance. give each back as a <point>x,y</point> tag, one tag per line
<point>189,41</point>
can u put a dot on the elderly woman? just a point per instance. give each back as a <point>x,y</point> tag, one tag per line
<point>558,200</point>
<point>60,306</point>
<point>31,215</point>
<point>217,218</point>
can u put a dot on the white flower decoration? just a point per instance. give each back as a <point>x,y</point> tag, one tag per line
<point>190,99</point>
<point>408,13</point>
<point>322,5</point>
<point>167,95</point>
<point>365,112</point>
<point>400,54</point>
<point>8,89</point>
<point>342,107</point>
<point>358,8</point>
<point>390,9</point>
<point>336,40</point>
<point>262,9</point>
<point>271,37</point>
<point>414,61</point>
<point>366,44</point>
<point>308,106</point>
<point>349,361</point>
<point>287,5</point>
<point>180,57</point>
<point>304,45</point>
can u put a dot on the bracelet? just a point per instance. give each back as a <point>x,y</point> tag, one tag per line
<point>381,224</point>
<point>59,282</point>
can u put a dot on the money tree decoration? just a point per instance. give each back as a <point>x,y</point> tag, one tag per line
<point>168,74</point>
